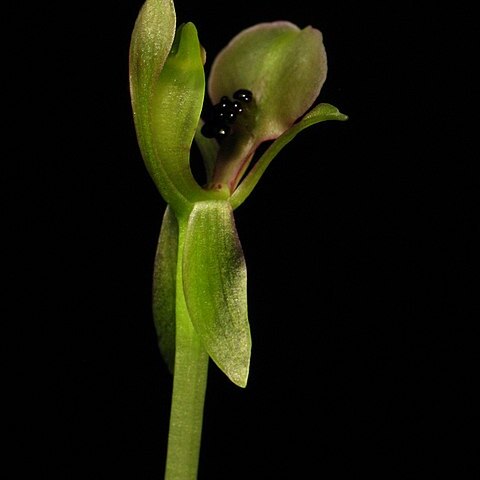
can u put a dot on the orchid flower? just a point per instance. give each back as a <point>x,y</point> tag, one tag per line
<point>263,86</point>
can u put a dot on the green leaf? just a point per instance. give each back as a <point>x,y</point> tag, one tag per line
<point>320,113</point>
<point>215,287</point>
<point>164,287</point>
<point>167,85</point>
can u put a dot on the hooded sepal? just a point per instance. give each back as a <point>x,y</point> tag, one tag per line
<point>167,84</point>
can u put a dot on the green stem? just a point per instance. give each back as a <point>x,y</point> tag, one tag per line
<point>189,385</point>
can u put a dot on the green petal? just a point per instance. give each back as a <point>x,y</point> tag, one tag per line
<point>167,86</point>
<point>284,66</point>
<point>320,113</point>
<point>215,287</point>
<point>164,280</point>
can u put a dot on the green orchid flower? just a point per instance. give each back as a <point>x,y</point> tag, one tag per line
<point>263,86</point>
<point>284,67</point>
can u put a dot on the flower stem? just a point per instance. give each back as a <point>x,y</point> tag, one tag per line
<point>189,385</point>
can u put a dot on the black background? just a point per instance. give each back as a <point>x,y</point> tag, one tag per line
<point>361,243</point>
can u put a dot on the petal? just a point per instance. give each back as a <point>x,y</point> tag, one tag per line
<point>164,287</point>
<point>321,113</point>
<point>215,287</point>
<point>284,66</point>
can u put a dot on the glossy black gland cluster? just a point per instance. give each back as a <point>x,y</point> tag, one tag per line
<point>219,121</point>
